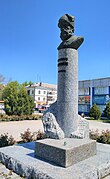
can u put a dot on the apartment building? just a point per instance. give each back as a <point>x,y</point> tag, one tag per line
<point>42,93</point>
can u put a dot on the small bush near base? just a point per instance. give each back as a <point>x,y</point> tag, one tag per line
<point>40,135</point>
<point>29,136</point>
<point>103,137</point>
<point>6,141</point>
<point>6,118</point>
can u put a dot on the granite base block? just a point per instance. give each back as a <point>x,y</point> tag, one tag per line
<point>65,152</point>
<point>21,160</point>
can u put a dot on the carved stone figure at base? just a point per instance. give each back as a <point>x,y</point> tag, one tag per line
<point>51,127</point>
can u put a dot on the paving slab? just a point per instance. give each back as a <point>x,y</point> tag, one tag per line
<point>21,159</point>
<point>100,126</point>
<point>15,128</point>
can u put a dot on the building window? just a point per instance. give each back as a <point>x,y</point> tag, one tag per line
<point>83,99</point>
<point>43,99</point>
<point>50,98</point>
<point>83,108</point>
<point>101,90</point>
<point>103,99</point>
<point>39,92</point>
<point>28,92</point>
<point>38,98</point>
<point>32,91</point>
<point>44,92</point>
<point>83,91</point>
<point>50,93</point>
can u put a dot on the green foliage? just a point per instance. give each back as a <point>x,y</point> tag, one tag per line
<point>10,97</point>
<point>6,141</point>
<point>1,90</point>
<point>7,118</point>
<point>95,112</point>
<point>29,136</point>
<point>107,110</point>
<point>16,100</point>
<point>103,137</point>
<point>26,83</point>
<point>25,102</point>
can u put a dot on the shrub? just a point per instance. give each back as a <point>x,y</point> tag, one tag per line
<point>107,110</point>
<point>19,118</point>
<point>6,141</point>
<point>29,136</point>
<point>103,137</point>
<point>40,135</point>
<point>5,175</point>
<point>95,112</point>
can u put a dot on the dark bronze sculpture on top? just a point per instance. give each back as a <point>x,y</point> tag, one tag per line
<point>66,25</point>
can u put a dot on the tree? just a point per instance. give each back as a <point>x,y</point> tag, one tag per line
<point>95,112</point>
<point>10,97</point>
<point>26,83</point>
<point>25,102</point>
<point>31,103</point>
<point>16,100</point>
<point>107,110</point>
<point>1,90</point>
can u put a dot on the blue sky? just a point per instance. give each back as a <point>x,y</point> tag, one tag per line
<point>29,37</point>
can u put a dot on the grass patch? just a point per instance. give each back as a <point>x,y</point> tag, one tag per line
<point>6,118</point>
<point>102,119</point>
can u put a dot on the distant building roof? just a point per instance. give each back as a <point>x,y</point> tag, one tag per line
<point>43,85</point>
<point>99,82</point>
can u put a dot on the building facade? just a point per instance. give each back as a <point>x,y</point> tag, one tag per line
<point>93,91</point>
<point>2,107</point>
<point>89,92</point>
<point>42,93</point>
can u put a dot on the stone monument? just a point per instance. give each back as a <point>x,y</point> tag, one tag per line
<point>69,141</point>
<point>65,110</point>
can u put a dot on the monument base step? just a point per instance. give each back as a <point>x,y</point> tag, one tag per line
<point>65,152</point>
<point>21,159</point>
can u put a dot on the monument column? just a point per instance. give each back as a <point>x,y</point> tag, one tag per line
<point>67,99</point>
<point>64,113</point>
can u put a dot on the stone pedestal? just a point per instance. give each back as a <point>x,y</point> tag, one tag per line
<point>67,99</point>
<point>65,152</point>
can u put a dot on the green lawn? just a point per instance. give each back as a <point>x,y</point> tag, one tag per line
<point>102,119</point>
